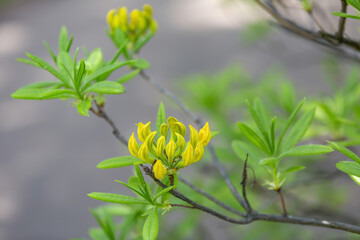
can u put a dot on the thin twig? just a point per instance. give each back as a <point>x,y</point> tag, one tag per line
<point>342,22</point>
<point>243,183</point>
<point>282,200</point>
<point>181,205</point>
<point>210,197</point>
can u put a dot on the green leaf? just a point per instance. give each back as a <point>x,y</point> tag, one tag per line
<point>42,94</point>
<point>94,60</point>
<point>259,115</point>
<point>116,198</point>
<point>142,182</point>
<point>355,179</point>
<point>119,51</point>
<point>141,64</point>
<point>293,169</point>
<point>288,123</point>
<point>80,73</point>
<point>105,221</point>
<point>65,66</point>
<point>307,150</point>
<point>341,14</point>
<point>253,137</point>
<point>151,226</point>
<point>344,151</point>
<point>142,42</point>
<point>128,76</point>
<point>298,130</point>
<point>118,162</point>
<point>351,168</point>
<point>270,161</point>
<point>50,69</point>
<point>83,107</point>
<point>69,43</point>
<point>161,117</point>
<point>43,85</point>
<point>241,149</point>
<point>136,190</point>
<point>29,62</point>
<point>50,51</point>
<point>97,234</point>
<point>106,87</point>
<point>354,3</point>
<point>103,71</point>
<point>63,39</point>
<point>164,191</point>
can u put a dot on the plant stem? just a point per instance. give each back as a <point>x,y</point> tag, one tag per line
<point>283,206</point>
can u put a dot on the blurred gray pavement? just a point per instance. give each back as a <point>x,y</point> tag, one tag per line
<point>49,153</point>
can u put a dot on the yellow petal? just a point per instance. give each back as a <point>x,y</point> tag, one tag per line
<point>170,151</point>
<point>135,18</point>
<point>164,129</point>
<point>205,134</point>
<point>144,154</point>
<point>143,131</point>
<point>153,26</point>
<point>188,155</point>
<point>199,152</point>
<point>159,170</point>
<point>123,18</point>
<point>133,146</point>
<point>194,136</point>
<point>110,17</point>
<point>150,142</point>
<point>116,21</point>
<point>180,144</point>
<point>160,146</point>
<point>148,9</point>
<point>180,128</point>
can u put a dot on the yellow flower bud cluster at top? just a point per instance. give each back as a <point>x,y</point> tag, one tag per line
<point>169,156</point>
<point>138,24</point>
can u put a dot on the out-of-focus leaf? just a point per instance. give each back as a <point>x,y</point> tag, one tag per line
<point>351,168</point>
<point>118,162</point>
<point>116,198</point>
<point>151,226</point>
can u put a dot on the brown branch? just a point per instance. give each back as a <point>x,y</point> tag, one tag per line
<point>282,200</point>
<point>243,184</point>
<point>339,35</point>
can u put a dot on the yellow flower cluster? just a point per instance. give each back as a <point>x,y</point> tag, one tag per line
<point>138,24</point>
<point>169,156</point>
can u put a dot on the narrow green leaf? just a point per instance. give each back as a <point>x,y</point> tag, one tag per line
<point>29,62</point>
<point>83,107</point>
<point>42,94</point>
<point>161,117</point>
<point>119,51</point>
<point>253,137</point>
<point>293,169</point>
<point>106,70</point>
<point>43,85</point>
<point>143,183</point>
<point>141,64</point>
<point>68,46</point>
<point>288,123</point>
<point>142,42</point>
<point>269,161</point>
<point>341,14</point>
<point>106,87</point>
<point>306,150</point>
<point>137,190</point>
<point>65,66</point>
<point>94,60</point>
<point>354,3</point>
<point>164,191</point>
<point>259,116</point>
<point>50,51</point>
<point>116,198</point>
<point>49,68</point>
<point>272,135</point>
<point>355,179</point>
<point>118,162</point>
<point>345,151</point>
<point>63,39</point>
<point>298,130</point>
<point>151,226</point>
<point>351,168</point>
<point>97,234</point>
<point>80,73</point>
<point>128,76</point>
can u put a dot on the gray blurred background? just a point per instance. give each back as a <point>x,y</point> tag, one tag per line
<point>49,153</point>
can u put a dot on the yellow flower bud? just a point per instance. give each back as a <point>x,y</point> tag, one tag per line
<point>188,155</point>
<point>144,155</point>
<point>171,121</point>
<point>160,146</point>
<point>180,144</point>
<point>205,134</point>
<point>199,152</point>
<point>110,17</point>
<point>194,136</point>
<point>153,26</point>
<point>123,18</point>
<point>133,146</point>
<point>142,23</point>
<point>170,151</point>
<point>164,129</point>
<point>135,18</point>
<point>159,170</point>
<point>180,128</point>
<point>148,9</point>
<point>150,142</point>
<point>143,131</point>
<point>116,21</point>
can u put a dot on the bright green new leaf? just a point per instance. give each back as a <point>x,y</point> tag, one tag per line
<point>345,151</point>
<point>142,182</point>
<point>50,51</point>
<point>253,137</point>
<point>83,107</point>
<point>161,117</point>
<point>307,150</point>
<point>136,189</point>
<point>118,162</point>
<point>106,87</point>
<point>341,14</point>
<point>116,198</point>
<point>270,161</point>
<point>298,130</point>
<point>351,168</point>
<point>141,63</point>
<point>355,179</point>
<point>293,169</point>
<point>94,60</point>
<point>354,3</point>
<point>63,39</point>
<point>128,76</point>
<point>42,94</point>
<point>29,62</point>
<point>164,191</point>
<point>65,66</point>
<point>142,42</point>
<point>52,85</point>
<point>151,226</point>
<point>97,234</point>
